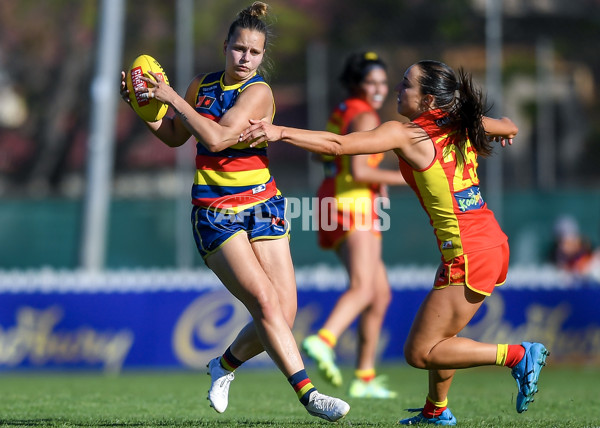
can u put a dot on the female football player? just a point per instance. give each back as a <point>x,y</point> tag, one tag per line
<point>238,214</point>
<point>437,151</point>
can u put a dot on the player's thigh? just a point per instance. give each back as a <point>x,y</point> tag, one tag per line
<point>275,259</point>
<point>239,270</point>
<point>443,314</point>
<point>361,253</point>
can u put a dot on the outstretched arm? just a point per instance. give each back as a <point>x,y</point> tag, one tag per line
<point>503,129</point>
<point>361,168</point>
<point>387,136</point>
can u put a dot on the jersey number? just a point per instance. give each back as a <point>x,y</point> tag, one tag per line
<point>465,174</point>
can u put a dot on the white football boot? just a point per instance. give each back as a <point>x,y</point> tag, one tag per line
<point>326,407</point>
<point>220,379</point>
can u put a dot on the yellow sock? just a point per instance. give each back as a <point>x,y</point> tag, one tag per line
<point>327,337</point>
<point>438,403</point>
<point>365,375</point>
<point>501,354</point>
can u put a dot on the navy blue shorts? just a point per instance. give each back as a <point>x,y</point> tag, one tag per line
<point>213,228</point>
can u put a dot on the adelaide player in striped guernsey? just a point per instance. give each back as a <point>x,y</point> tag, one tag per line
<point>238,214</point>
<point>437,151</point>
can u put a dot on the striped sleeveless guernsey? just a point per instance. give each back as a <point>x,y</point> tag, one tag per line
<point>238,177</point>
<point>448,190</point>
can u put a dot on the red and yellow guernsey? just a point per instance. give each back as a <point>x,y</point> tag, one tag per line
<point>338,182</point>
<point>238,177</point>
<point>448,190</point>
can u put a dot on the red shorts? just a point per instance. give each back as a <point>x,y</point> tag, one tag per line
<point>481,271</point>
<point>336,224</point>
<point>339,225</point>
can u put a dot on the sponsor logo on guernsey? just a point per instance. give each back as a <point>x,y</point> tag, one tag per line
<point>205,102</point>
<point>469,199</point>
<point>259,189</point>
<point>447,245</point>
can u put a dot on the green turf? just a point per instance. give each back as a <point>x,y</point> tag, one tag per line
<point>483,397</point>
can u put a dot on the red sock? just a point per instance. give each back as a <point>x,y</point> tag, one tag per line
<point>430,410</point>
<point>514,355</point>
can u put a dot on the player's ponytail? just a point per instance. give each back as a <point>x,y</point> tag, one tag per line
<point>470,111</point>
<point>459,98</point>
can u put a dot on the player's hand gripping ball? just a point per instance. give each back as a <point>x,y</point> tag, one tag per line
<point>149,109</point>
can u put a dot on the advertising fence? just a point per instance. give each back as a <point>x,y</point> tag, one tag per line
<point>168,319</point>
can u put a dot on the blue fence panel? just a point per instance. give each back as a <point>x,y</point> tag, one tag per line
<point>152,320</point>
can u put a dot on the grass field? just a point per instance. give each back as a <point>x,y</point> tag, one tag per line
<point>482,397</point>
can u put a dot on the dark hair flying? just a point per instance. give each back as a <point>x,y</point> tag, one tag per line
<point>456,95</point>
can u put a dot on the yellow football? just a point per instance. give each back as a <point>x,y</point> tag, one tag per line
<point>151,109</point>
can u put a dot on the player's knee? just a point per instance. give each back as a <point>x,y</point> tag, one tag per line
<point>363,290</point>
<point>416,361</point>
<point>414,357</point>
<point>384,297</point>
<point>264,305</point>
<point>290,316</point>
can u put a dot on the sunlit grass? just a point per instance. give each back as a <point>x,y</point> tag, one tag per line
<point>481,397</point>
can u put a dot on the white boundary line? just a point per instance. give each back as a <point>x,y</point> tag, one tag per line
<point>317,277</point>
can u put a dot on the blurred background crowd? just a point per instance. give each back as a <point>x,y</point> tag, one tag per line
<point>550,71</point>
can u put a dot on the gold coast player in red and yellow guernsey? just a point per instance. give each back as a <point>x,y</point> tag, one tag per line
<point>350,198</point>
<point>448,190</point>
<point>438,152</point>
<point>238,214</point>
<point>339,183</point>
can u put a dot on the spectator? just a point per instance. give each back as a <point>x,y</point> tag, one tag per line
<point>571,251</point>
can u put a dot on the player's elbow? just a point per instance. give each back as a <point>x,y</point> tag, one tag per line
<point>215,146</point>
<point>512,129</point>
<point>212,148</point>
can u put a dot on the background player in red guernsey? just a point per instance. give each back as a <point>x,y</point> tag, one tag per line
<point>438,152</point>
<point>352,187</point>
